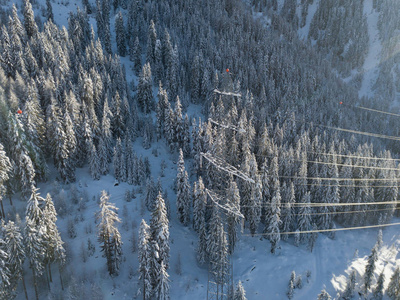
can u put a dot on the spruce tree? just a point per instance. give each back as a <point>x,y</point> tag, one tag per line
<point>108,234</point>
<point>120,34</point>
<point>240,293</point>
<point>393,289</point>
<point>199,204</point>
<point>5,273</point>
<point>16,254</point>
<point>370,268</point>
<point>29,20</point>
<point>324,295</point>
<point>145,93</point>
<point>378,290</point>
<point>183,196</point>
<point>160,230</point>
<point>233,220</point>
<point>350,286</point>
<point>144,261</point>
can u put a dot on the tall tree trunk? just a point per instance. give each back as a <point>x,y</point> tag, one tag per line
<point>10,197</point>
<point>35,284</point>
<point>59,271</point>
<point>24,285</point>
<point>2,208</point>
<point>47,277</point>
<point>51,279</point>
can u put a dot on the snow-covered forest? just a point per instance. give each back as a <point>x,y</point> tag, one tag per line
<point>214,149</point>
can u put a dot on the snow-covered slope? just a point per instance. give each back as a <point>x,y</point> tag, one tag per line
<point>264,275</point>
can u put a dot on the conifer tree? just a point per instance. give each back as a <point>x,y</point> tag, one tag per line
<point>108,234</point>
<point>120,34</point>
<point>34,249</point>
<point>16,254</point>
<point>162,288</point>
<point>151,43</point>
<point>55,251</point>
<point>94,163</point>
<point>5,168</point>
<point>370,268</point>
<point>350,286</point>
<point>183,197</point>
<point>144,261</point>
<point>5,273</point>
<point>393,289</point>
<point>29,20</point>
<point>290,289</point>
<point>324,295</point>
<point>304,218</point>
<point>240,293</point>
<point>160,231</point>
<point>49,11</point>
<point>378,290</point>
<point>275,222</point>
<point>135,56</point>
<point>145,93</point>
<point>233,197</point>
<point>199,204</point>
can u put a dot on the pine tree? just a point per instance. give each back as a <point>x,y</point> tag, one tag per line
<point>136,53</point>
<point>55,251</point>
<point>5,168</point>
<point>313,237</point>
<point>162,288</point>
<point>233,220</point>
<point>144,258</point>
<point>202,244</point>
<point>94,164</point>
<point>120,34</point>
<point>393,289</point>
<point>378,291</point>
<point>34,249</point>
<point>350,286</point>
<point>288,210</point>
<point>275,222</point>
<point>304,219</point>
<point>108,234</point>
<point>29,20</point>
<point>199,205</point>
<point>370,268</point>
<point>240,293</point>
<point>183,197</point>
<point>16,254</point>
<point>160,230</point>
<point>290,289</point>
<point>324,295</point>
<point>49,11</point>
<point>151,43</point>
<point>145,93</point>
<point>5,273</point>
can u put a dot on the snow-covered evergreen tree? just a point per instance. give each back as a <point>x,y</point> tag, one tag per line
<point>144,261</point>
<point>304,218</point>
<point>393,289</point>
<point>240,293</point>
<point>145,93</point>
<point>233,220</point>
<point>370,268</point>
<point>29,20</point>
<point>4,270</point>
<point>160,230</point>
<point>120,34</point>
<point>324,295</point>
<point>378,290</point>
<point>183,195</point>
<point>350,286</point>
<point>16,254</point>
<point>199,204</point>
<point>108,234</point>
<point>162,287</point>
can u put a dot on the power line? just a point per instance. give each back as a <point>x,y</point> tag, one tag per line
<point>326,230</point>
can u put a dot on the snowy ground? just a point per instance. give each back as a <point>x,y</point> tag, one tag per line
<point>264,276</point>
<point>371,64</point>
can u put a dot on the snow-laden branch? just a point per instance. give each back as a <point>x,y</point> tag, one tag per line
<point>227,93</point>
<point>233,127</point>
<point>229,208</point>
<point>224,166</point>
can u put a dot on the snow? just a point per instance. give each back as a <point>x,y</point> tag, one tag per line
<point>264,276</point>
<point>303,32</point>
<point>371,64</point>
